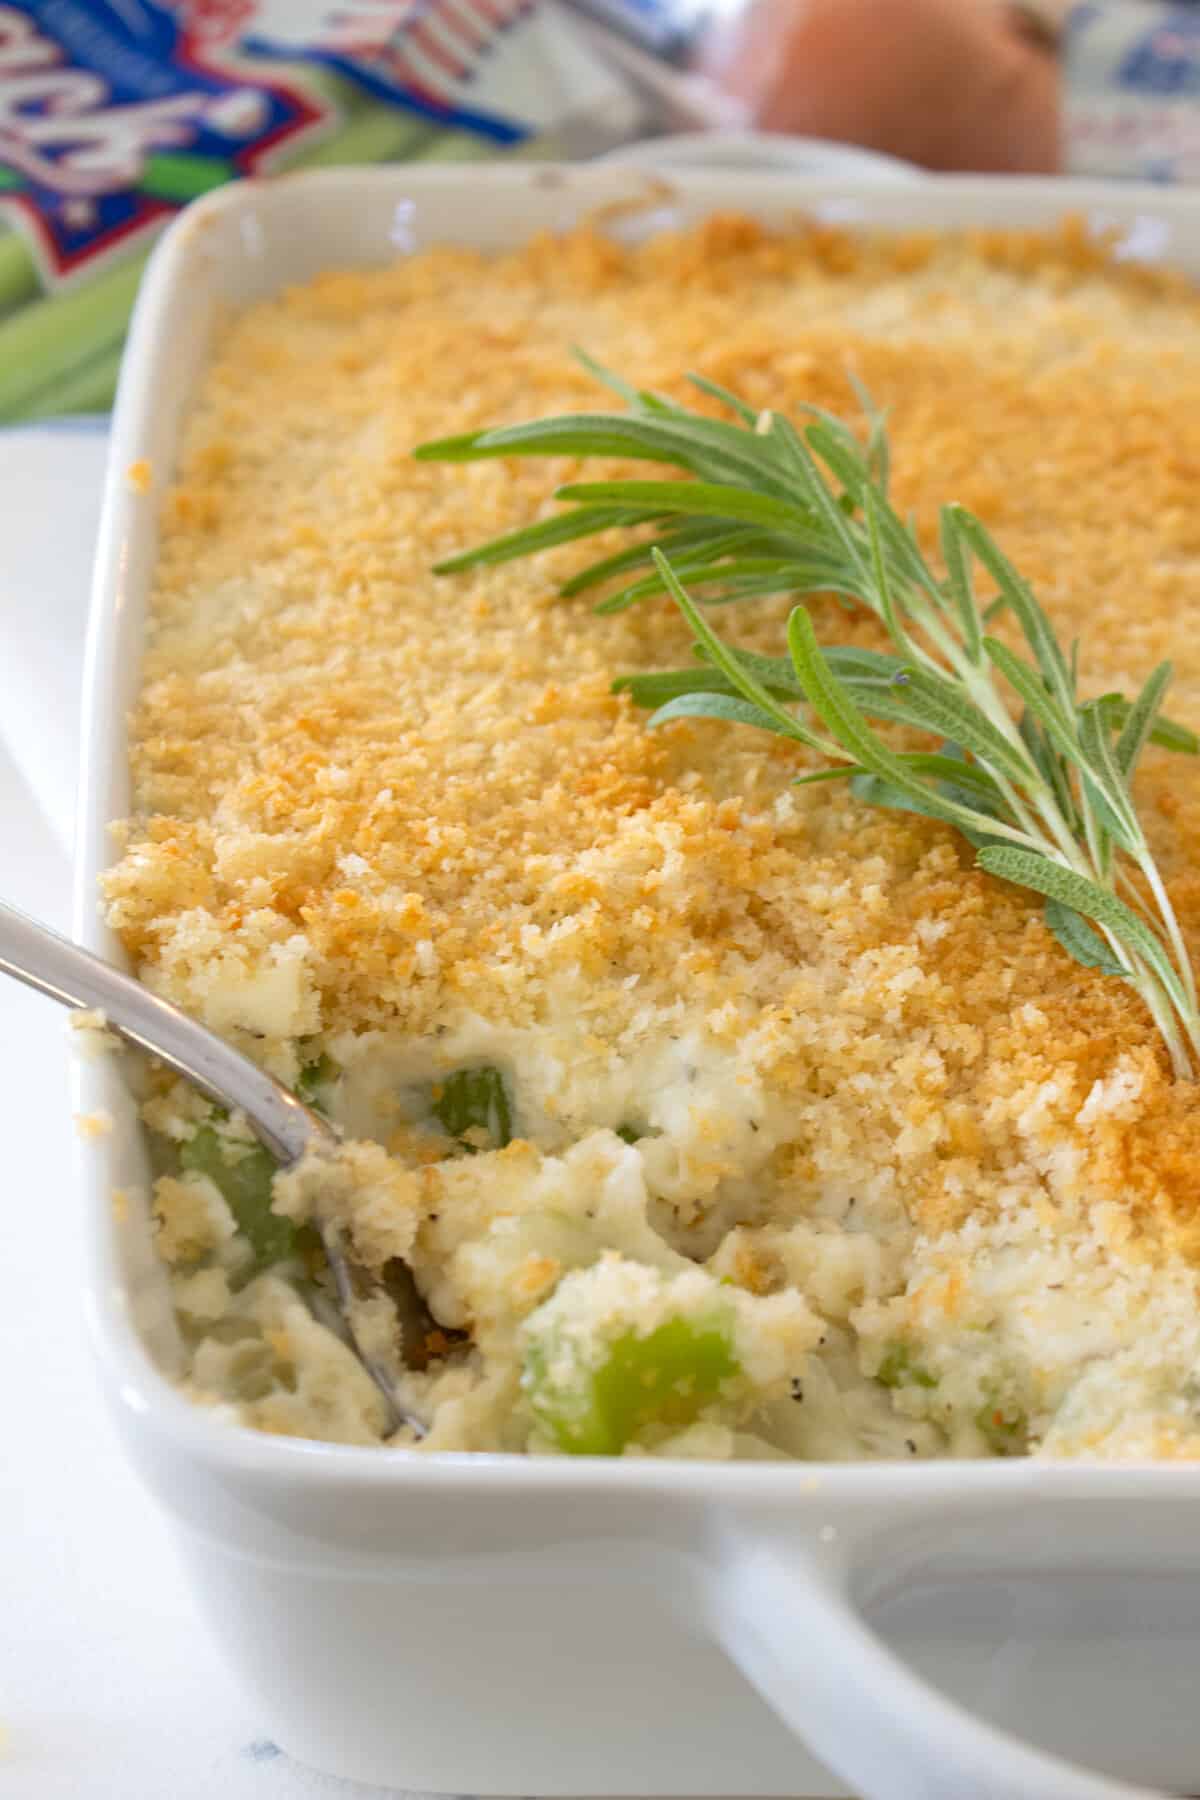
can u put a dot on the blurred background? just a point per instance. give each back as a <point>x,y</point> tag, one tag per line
<point>113,116</point>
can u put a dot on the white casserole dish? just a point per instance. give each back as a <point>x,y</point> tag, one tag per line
<point>493,1625</point>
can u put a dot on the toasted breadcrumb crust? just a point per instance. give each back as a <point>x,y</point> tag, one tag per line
<point>368,798</point>
<point>93,1125</point>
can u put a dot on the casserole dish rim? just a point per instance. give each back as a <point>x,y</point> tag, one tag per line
<point>169,1433</point>
<point>126,518</point>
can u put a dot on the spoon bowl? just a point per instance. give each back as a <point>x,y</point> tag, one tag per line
<point>291,1130</point>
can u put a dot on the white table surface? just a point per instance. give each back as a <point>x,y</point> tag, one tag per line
<point>108,1683</point>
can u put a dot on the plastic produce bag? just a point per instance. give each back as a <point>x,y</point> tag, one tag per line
<point>1131,90</point>
<point>115,113</point>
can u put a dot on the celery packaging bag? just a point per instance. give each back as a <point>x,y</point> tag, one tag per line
<point>1131,90</point>
<point>115,113</point>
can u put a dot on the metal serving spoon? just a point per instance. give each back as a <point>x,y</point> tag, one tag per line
<point>281,1121</point>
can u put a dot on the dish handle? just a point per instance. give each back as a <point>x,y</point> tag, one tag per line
<point>785,1613</point>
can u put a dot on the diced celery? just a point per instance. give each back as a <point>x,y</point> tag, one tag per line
<point>179,178</point>
<point>315,1081</point>
<point>475,1100</point>
<point>51,339</point>
<point>245,1182</point>
<point>89,389</point>
<point>18,271</point>
<point>377,134</point>
<point>1005,1427</point>
<point>900,1368</point>
<point>666,1377</point>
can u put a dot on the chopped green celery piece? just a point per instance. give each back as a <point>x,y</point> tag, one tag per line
<point>245,1183</point>
<point>475,1100</point>
<point>316,1079</point>
<point>1006,1429</point>
<point>89,389</point>
<point>174,177</point>
<point>664,1378</point>
<point>18,271</point>
<point>48,340</point>
<point>634,1134</point>
<point>900,1368</point>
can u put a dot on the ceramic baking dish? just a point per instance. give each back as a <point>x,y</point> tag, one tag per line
<point>493,1625</point>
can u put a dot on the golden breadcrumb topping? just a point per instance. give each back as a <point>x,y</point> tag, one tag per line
<point>369,798</point>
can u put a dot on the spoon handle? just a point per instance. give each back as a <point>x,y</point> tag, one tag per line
<point>39,957</point>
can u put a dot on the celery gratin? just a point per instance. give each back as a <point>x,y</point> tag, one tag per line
<point>710,1114</point>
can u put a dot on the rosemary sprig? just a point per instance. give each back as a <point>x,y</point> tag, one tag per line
<point>1042,791</point>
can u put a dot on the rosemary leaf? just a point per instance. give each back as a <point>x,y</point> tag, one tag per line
<point>936,704</point>
<point>739,578</point>
<point>1076,936</point>
<point>731,707</point>
<point>877,790</point>
<point>1106,782</point>
<point>1018,596</point>
<point>1027,869</point>
<point>1166,733</point>
<point>1037,782</point>
<point>563,528</point>
<point>743,680</point>
<point>1030,685</point>
<point>687,497</point>
<point>636,399</point>
<point>1139,721</point>
<point>959,582</point>
<point>715,391</point>
<point>685,445</point>
<point>1055,771</point>
<point>715,534</point>
<point>656,690</point>
<point>879,453</point>
<point>833,704</point>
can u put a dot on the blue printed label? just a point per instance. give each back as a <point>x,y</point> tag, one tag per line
<point>114,116</point>
<point>425,56</point>
<point>1165,60</point>
<point>667,28</point>
<point>1130,90</point>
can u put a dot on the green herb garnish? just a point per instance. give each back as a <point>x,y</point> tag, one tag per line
<point>1043,793</point>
